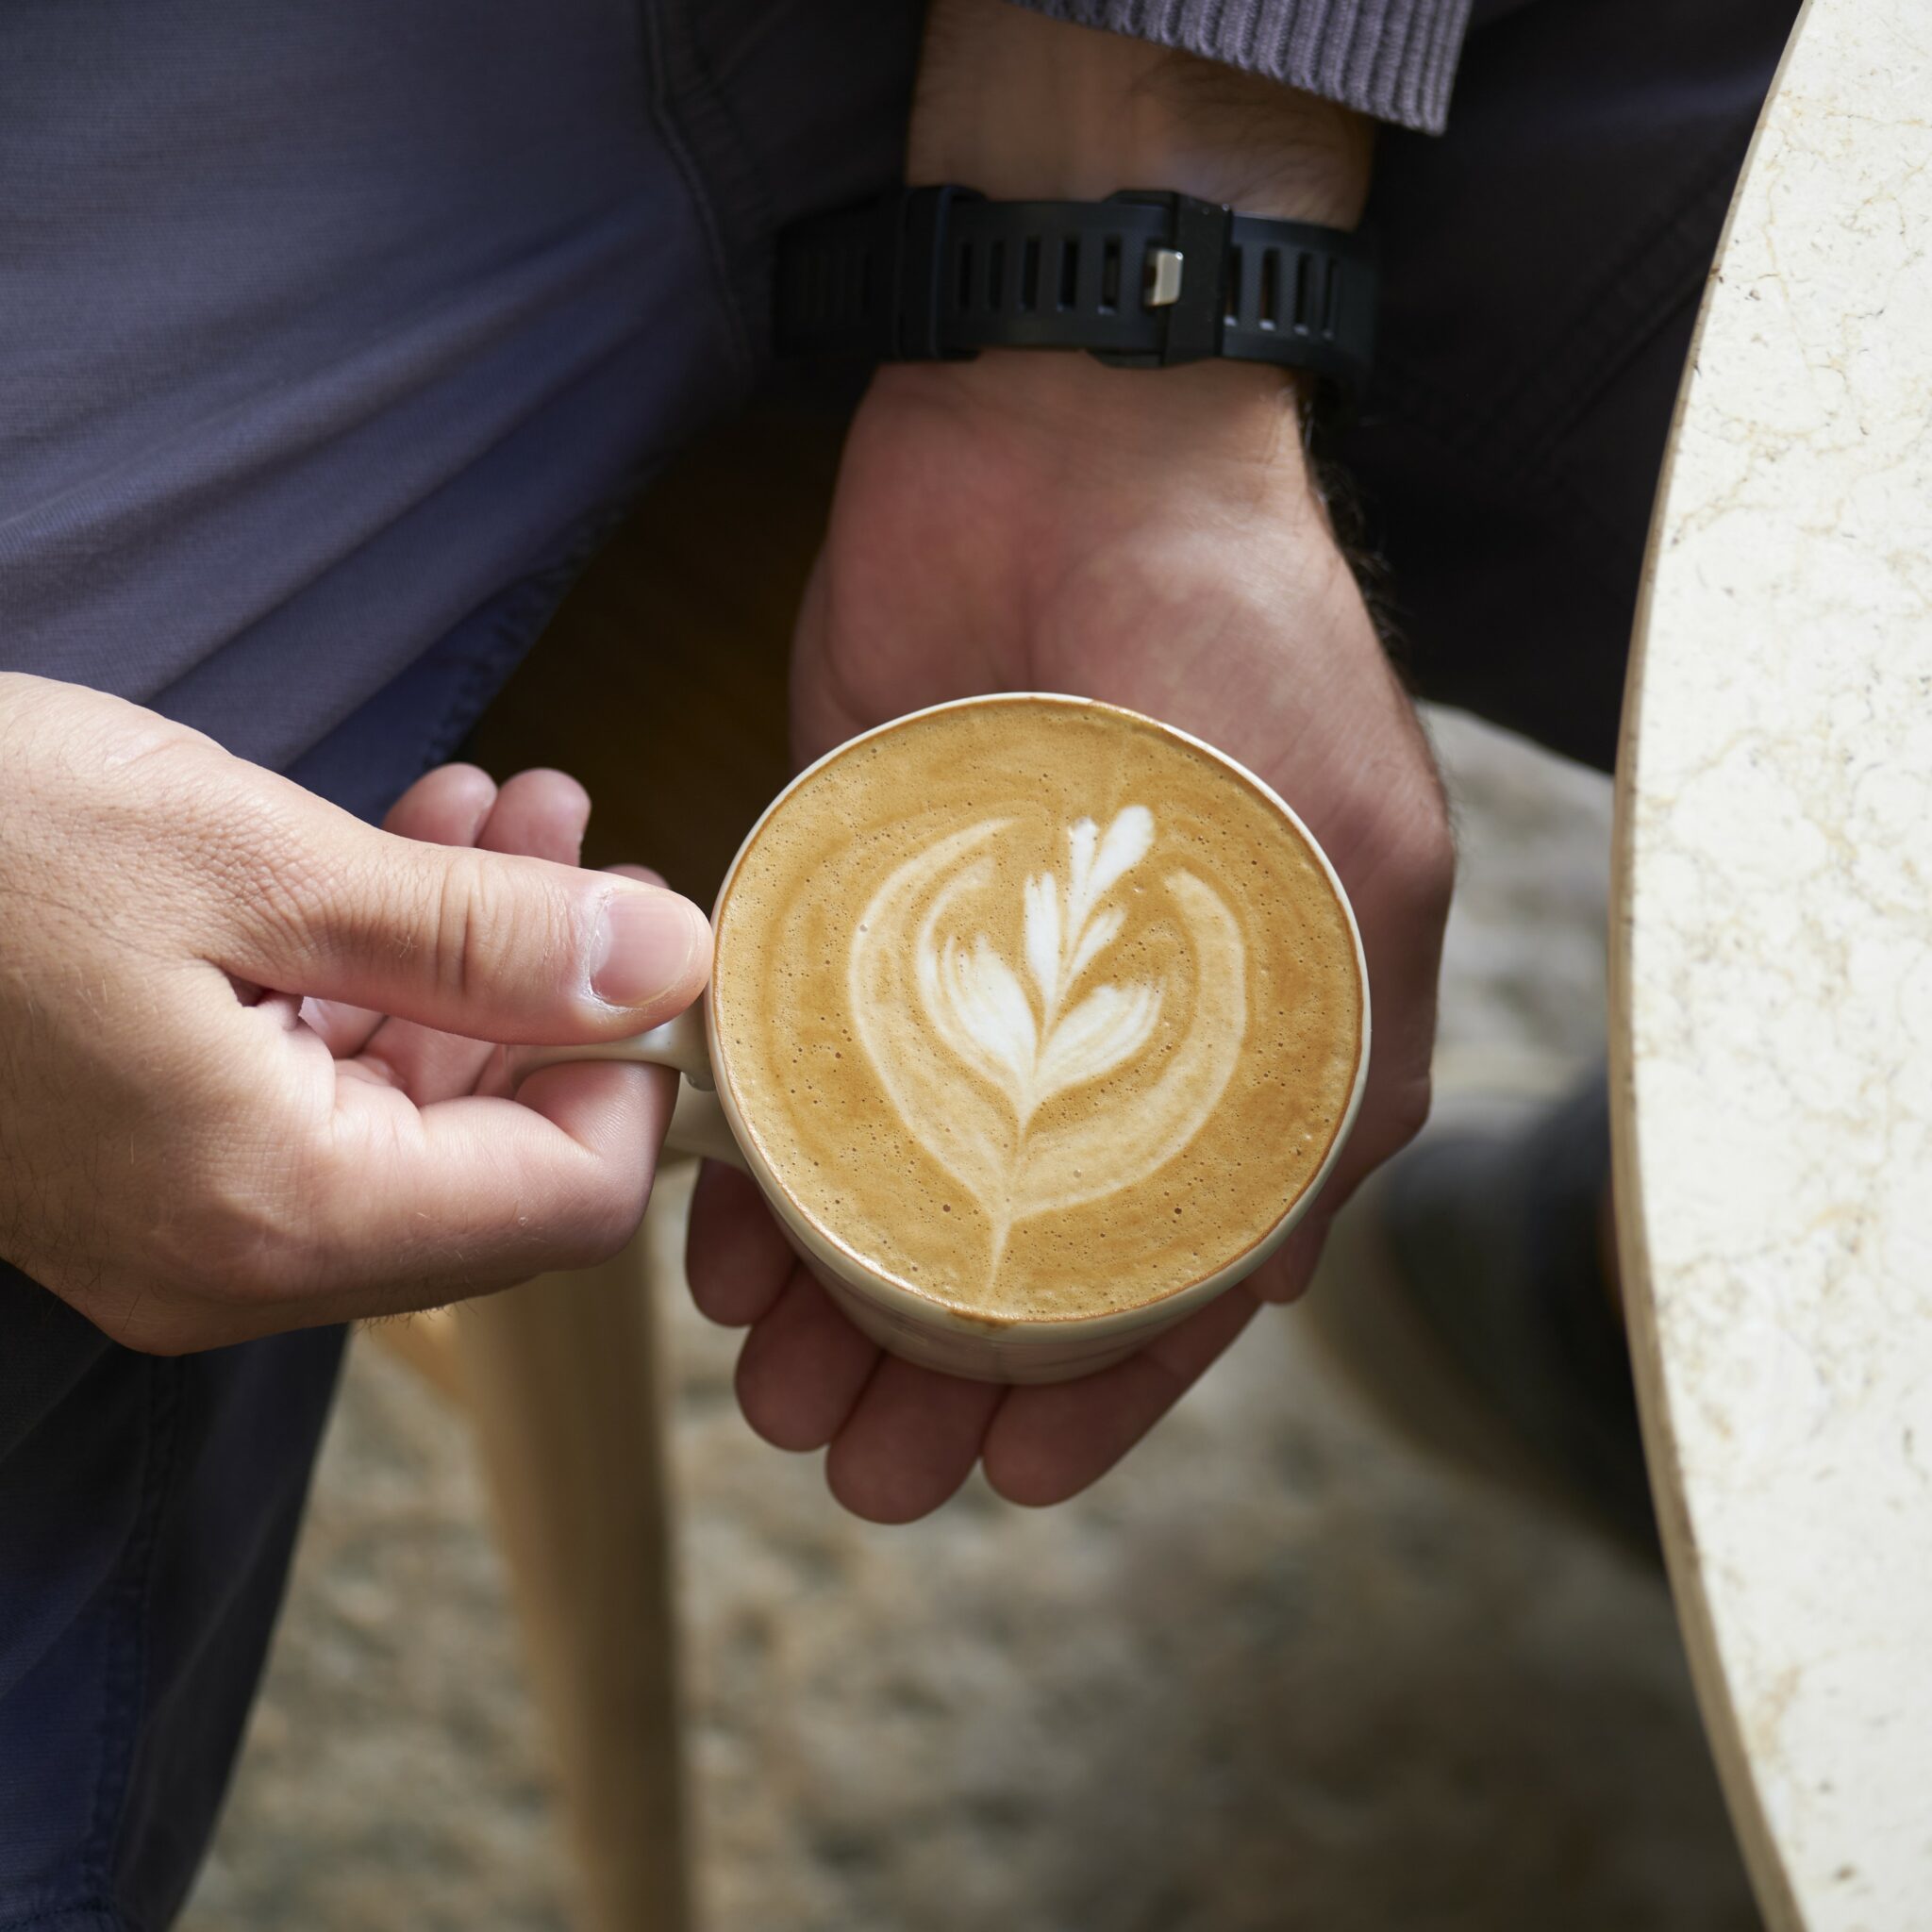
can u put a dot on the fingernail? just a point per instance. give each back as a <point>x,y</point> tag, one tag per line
<point>645,946</point>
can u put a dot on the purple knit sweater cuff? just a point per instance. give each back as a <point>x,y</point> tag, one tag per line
<point>1394,59</point>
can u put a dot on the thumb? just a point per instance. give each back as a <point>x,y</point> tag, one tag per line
<point>489,945</point>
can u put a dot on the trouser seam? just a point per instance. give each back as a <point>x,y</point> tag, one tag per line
<point>130,1610</point>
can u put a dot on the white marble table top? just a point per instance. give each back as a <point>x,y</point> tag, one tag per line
<point>1773,967</point>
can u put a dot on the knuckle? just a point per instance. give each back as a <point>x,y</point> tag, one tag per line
<point>486,919</point>
<point>90,745</point>
<point>462,920</point>
<point>168,757</point>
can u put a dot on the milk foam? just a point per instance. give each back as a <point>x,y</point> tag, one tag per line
<point>1036,1008</point>
<point>1036,1028</point>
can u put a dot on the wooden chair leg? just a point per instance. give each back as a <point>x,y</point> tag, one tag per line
<point>685,651</point>
<point>562,1377</point>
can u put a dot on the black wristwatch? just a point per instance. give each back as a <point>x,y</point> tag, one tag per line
<point>1144,280</point>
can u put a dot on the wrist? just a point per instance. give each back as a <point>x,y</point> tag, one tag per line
<point>1022,107</point>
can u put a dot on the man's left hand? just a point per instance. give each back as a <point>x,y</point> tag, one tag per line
<point>1154,539</point>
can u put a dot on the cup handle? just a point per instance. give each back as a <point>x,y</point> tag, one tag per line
<point>697,1124</point>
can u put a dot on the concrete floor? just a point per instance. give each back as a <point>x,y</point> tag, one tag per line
<point>1274,1672</point>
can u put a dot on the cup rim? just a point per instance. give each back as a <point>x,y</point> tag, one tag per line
<point>864,1276</point>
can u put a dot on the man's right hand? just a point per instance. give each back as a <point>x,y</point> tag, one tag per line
<point>249,1077</point>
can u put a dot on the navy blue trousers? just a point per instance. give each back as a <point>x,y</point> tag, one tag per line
<point>332,340</point>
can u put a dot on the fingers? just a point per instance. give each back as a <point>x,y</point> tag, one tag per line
<point>554,1180</point>
<point>540,814</point>
<point>446,806</point>
<point>736,1256</point>
<point>910,1440</point>
<point>1050,1441</point>
<point>411,1205</point>
<point>1287,1275</point>
<point>903,1439</point>
<point>802,1367</point>
<point>494,945</point>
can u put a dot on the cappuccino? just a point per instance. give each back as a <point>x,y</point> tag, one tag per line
<point>1037,1008</point>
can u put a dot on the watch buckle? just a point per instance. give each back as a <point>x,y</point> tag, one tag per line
<point>1182,277</point>
<point>1162,281</point>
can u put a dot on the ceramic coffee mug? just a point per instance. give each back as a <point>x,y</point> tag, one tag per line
<point>710,1121</point>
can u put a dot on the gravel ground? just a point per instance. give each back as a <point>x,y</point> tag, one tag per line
<point>1277,1672</point>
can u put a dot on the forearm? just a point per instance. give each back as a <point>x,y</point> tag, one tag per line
<point>1015,104</point>
<point>1395,59</point>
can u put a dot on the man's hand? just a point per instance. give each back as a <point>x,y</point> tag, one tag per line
<point>247,1078</point>
<point>1033,522</point>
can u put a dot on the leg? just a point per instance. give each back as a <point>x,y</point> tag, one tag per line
<point>1505,473</point>
<point>1545,261</point>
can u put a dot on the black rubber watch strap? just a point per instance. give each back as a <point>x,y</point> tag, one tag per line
<point>1146,280</point>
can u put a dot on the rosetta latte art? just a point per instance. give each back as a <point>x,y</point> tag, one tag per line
<point>931,1001</point>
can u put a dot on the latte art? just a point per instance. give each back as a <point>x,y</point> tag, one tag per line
<point>1036,1008</point>
<point>1034,1034</point>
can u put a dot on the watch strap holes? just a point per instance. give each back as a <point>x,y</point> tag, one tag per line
<point>1304,293</point>
<point>1029,276</point>
<point>1070,273</point>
